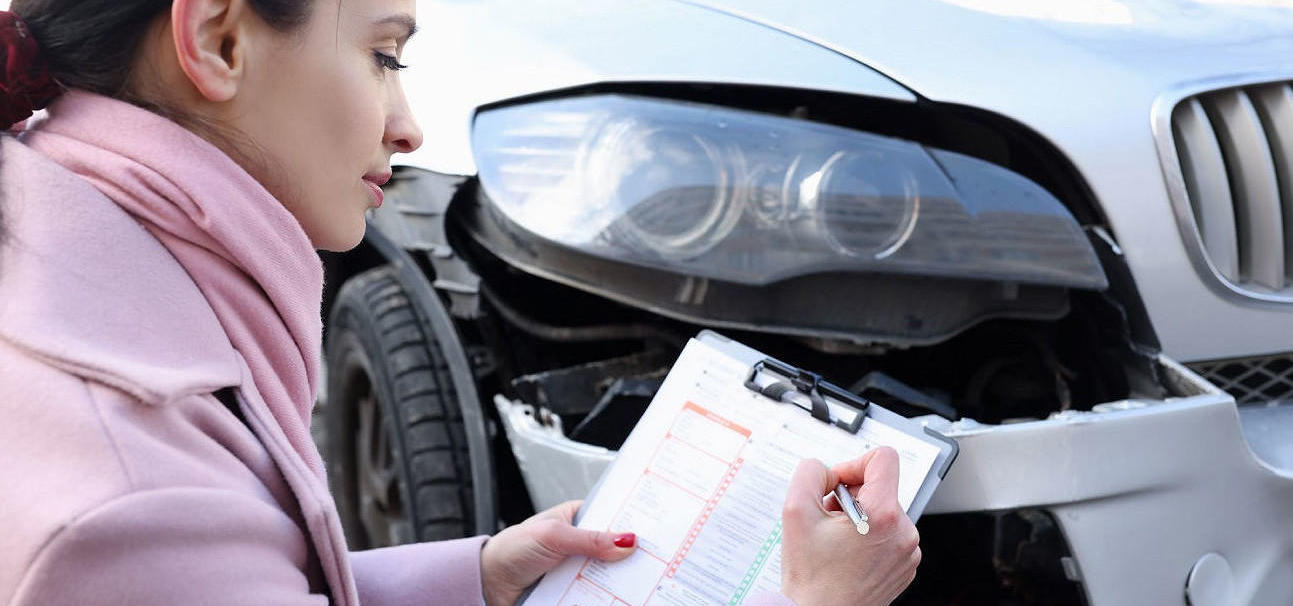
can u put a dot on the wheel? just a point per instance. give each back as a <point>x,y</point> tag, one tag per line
<point>396,448</point>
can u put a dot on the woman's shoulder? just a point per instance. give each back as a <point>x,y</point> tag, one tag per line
<point>87,288</point>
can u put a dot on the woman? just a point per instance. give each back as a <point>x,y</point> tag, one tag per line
<point>160,329</point>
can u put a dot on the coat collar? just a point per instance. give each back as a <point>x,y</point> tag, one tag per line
<point>86,288</point>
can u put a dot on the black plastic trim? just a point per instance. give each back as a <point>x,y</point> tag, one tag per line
<point>892,309</point>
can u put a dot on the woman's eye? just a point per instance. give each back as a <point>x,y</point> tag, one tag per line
<point>386,61</point>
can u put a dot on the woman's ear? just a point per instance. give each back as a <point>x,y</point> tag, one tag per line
<point>211,44</point>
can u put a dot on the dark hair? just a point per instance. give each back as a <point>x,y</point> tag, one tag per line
<point>91,44</point>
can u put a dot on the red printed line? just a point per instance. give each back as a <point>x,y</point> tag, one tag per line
<point>585,579</point>
<point>705,412</point>
<point>701,520</point>
<point>666,479</point>
<point>708,416</point>
<point>698,449</point>
<point>653,556</point>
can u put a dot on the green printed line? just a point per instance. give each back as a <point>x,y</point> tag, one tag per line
<point>747,581</point>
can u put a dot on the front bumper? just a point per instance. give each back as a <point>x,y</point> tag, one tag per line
<point>1142,489</point>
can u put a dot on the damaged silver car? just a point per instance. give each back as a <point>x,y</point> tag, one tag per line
<point>1061,233</point>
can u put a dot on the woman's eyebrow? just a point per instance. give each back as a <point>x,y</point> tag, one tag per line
<point>402,20</point>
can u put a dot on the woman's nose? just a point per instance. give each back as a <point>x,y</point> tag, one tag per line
<point>402,131</point>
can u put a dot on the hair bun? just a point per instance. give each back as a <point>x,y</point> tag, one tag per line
<point>25,83</point>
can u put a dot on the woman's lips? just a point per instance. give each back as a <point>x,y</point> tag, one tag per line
<point>375,183</point>
<point>375,192</point>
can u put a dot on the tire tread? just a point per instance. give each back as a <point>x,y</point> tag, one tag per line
<point>435,456</point>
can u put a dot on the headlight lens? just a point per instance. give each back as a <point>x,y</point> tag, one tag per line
<point>752,198</point>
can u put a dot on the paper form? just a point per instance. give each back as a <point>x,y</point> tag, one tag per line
<point>701,482</point>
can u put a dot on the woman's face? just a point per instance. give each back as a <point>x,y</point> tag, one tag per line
<point>324,111</point>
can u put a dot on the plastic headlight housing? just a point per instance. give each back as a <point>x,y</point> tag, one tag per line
<point>753,199</point>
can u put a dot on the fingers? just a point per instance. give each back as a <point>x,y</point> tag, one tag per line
<point>855,472</point>
<point>810,482</point>
<point>558,535</point>
<point>560,538</point>
<point>877,472</point>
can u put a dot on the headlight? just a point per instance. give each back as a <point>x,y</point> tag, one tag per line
<point>753,199</point>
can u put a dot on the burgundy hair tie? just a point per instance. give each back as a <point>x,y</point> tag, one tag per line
<point>26,84</point>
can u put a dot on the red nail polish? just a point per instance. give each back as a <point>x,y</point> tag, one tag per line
<point>627,539</point>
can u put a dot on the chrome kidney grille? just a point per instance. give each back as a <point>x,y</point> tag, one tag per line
<point>1233,159</point>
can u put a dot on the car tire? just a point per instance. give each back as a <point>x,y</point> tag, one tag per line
<point>396,447</point>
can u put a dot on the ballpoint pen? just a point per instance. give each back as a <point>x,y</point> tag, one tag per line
<point>850,507</point>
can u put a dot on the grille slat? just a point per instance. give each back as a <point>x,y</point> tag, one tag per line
<point>1235,148</point>
<point>1253,186</point>
<point>1205,179</point>
<point>1275,108</point>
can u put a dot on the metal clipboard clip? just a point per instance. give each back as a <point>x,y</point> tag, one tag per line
<point>810,384</point>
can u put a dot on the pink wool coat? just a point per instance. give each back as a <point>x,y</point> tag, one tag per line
<point>122,479</point>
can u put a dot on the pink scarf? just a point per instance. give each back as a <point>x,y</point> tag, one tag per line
<point>243,249</point>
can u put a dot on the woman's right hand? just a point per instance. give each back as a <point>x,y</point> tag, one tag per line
<point>824,561</point>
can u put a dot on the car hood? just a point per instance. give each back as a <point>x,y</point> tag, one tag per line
<point>980,51</point>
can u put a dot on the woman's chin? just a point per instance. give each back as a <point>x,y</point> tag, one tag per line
<point>341,240</point>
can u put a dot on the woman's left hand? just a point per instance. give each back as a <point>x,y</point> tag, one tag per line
<point>516,557</point>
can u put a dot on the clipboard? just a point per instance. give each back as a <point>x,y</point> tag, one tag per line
<point>834,405</point>
<point>702,477</point>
